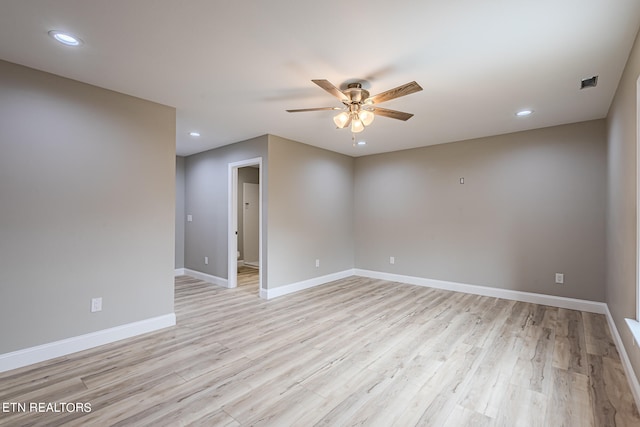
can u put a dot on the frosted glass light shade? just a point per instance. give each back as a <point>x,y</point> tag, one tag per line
<point>366,117</point>
<point>341,120</point>
<point>357,126</point>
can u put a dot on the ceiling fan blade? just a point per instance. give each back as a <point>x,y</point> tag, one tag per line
<point>405,89</point>
<point>393,114</point>
<point>329,87</point>
<point>300,110</point>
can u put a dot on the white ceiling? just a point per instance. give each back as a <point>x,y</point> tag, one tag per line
<point>232,67</point>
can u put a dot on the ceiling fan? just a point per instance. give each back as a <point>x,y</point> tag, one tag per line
<point>359,108</point>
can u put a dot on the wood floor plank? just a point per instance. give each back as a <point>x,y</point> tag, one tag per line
<point>446,386</point>
<point>597,336</point>
<point>570,402</point>
<point>487,387</point>
<point>352,352</point>
<point>522,408</point>
<point>385,408</point>
<point>293,407</point>
<point>461,416</point>
<point>570,326</point>
<point>360,392</point>
<point>535,362</point>
<point>561,352</point>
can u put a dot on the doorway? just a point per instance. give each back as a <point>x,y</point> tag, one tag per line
<point>245,226</point>
<point>249,213</point>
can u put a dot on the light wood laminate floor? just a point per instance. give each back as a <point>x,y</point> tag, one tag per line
<point>248,280</point>
<point>353,352</point>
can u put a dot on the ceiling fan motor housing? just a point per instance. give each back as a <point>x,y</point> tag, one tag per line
<point>355,93</point>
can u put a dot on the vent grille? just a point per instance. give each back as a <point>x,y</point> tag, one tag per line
<point>590,82</point>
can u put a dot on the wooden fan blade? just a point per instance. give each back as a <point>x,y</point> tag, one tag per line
<point>396,92</point>
<point>393,114</point>
<point>329,87</point>
<point>300,110</point>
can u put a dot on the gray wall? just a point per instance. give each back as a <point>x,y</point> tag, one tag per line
<point>308,199</point>
<point>180,215</point>
<point>87,199</point>
<point>206,182</point>
<point>247,175</point>
<point>310,212</point>
<point>532,204</point>
<point>622,127</point>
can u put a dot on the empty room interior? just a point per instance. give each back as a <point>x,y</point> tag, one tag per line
<point>285,213</point>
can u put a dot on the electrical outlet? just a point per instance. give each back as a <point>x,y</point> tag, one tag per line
<point>392,260</point>
<point>560,278</point>
<point>317,263</point>
<point>189,218</point>
<point>461,180</point>
<point>96,304</point>
<point>206,260</point>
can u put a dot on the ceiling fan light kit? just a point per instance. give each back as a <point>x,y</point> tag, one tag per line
<point>357,117</point>
<point>359,110</point>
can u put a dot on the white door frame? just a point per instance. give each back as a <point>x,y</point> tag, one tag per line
<point>232,231</point>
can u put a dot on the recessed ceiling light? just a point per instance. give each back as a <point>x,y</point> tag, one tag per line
<point>194,133</point>
<point>65,38</point>
<point>523,113</point>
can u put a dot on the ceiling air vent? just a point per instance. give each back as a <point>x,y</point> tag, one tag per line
<point>590,82</point>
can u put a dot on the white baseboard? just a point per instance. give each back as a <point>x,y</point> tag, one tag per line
<point>554,301</point>
<point>40,353</point>
<point>240,263</point>
<point>178,272</point>
<point>305,284</point>
<point>207,277</point>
